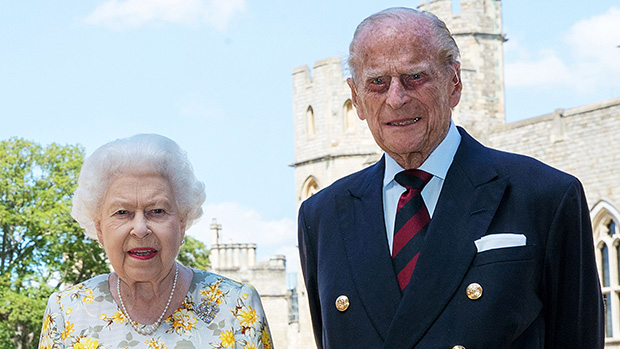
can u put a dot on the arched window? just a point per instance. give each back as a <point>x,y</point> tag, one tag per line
<point>350,115</point>
<point>310,129</point>
<point>605,265</point>
<point>309,188</point>
<point>605,220</point>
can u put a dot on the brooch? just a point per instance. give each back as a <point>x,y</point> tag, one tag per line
<point>206,310</point>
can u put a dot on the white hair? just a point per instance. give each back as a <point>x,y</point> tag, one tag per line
<point>446,49</point>
<point>139,154</point>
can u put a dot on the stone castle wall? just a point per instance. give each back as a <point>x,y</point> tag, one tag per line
<point>582,141</point>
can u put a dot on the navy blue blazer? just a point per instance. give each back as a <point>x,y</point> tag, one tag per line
<point>545,294</point>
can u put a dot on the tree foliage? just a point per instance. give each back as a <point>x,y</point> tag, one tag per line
<point>41,246</point>
<point>194,254</point>
<point>21,314</point>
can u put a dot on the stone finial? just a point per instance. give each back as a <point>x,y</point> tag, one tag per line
<point>216,230</point>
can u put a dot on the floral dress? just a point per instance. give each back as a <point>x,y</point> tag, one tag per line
<point>216,313</point>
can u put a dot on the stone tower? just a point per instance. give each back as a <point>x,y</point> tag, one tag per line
<point>476,25</point>
<point>330,140</point>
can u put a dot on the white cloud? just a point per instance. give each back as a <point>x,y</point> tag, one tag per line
<point>547,71</point>
<point>241,224</point>
<point>590,64</point>
<point>597,37</point>
<point>120,14</point>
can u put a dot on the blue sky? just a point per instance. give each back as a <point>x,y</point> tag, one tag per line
<point>215,76</point>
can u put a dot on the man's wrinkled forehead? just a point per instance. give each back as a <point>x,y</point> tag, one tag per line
<point>415,27</point>
<point>393,45</point>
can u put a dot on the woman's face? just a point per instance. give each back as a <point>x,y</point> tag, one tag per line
<point>140,227</point>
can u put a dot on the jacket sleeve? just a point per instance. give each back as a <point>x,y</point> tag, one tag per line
<point>574,316</point>
<point>307,257</point>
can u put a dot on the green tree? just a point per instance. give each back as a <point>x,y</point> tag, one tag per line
<point>21,314</point>
<point>194,254</point>
<point>41,246</point>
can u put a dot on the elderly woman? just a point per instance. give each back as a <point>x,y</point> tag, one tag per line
<point>137,196</point>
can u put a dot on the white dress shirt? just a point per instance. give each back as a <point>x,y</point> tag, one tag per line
<point>436,164</point>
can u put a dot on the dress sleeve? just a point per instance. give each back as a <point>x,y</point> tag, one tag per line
<point>53,324</point>
<point>251,327</point>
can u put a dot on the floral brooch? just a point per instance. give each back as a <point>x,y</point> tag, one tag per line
<point>206,310</point>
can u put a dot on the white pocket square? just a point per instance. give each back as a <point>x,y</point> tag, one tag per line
<point>503,240</point>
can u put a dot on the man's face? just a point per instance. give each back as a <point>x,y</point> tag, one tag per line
<point>403,91</point>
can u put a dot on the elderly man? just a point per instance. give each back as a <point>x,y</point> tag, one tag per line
<point>443,243</point>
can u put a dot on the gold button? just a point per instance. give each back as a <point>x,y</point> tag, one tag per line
<point>342,303</point>
<point>474,291</point>
<point>458,347</point>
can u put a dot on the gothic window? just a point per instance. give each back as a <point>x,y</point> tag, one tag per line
<point>350,115</point>
<point>607,241</point>
<point>310,129</point>
<point>609,326</point>
<point>605,265</point>
<point>309,188</point>
<point>618,259</point>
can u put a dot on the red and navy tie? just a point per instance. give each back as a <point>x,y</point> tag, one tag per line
<point>412,220</point>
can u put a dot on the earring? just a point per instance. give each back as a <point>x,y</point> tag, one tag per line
<point>183,242</point>
<point>100,244</point>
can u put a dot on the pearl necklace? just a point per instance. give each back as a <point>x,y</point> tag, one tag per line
<point>140,328</point>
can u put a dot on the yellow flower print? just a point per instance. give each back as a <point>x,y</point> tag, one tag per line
<point>228,339</point>
<point>155,344</point>
<point>183,319</point>
<point>248,317</point>
<point>47,322</point>
<point>89,297</point>
<point>103,316</point>
<point>213,293</point>
<point>187,304</point>
<point>68,330</point>
<point>46,343</point>
<point>250,346</point>
<point>88,300</point>
<point>119,318</point>
<point>266,339</point>
<point>69,311</point>
<point>86,343</point>
<point>245,296</point>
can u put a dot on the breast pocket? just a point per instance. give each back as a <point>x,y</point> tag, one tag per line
<point>502,255</point>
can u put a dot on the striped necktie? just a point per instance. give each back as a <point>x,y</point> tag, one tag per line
<point>412,220</point>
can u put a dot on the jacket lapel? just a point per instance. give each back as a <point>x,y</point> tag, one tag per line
<point>360,213</point>
<point>470,196</point>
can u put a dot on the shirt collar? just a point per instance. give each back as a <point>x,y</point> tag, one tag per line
<point>436,164</point>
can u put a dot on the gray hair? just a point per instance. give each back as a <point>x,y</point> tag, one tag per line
<point>447,50</point>
<point>142,153</point>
